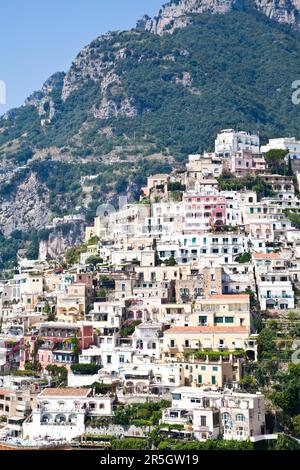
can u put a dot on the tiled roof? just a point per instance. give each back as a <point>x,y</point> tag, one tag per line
<point>206,329</point>
<point>65,392</point>
<point>266,255</point>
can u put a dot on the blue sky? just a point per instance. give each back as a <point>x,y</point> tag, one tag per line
<point>40,37</point>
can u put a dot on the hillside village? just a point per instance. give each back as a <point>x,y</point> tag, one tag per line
<point>176,321</point>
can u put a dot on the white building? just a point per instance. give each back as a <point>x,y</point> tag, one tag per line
<point>284,143</point>
<point>105,315</point>
<point>229,142</point>
<point>60,413</point>
<point>146,338</point>
<point>232,415</point>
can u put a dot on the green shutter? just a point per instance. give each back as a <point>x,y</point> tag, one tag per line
<point>213,380</point>
<point>199,379</point>
<point>219,319</point>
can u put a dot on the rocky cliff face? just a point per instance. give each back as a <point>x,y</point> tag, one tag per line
<point>98,64</point>
<point>26,207</point>
<point>60,239</point>
<point>44,100</point>
<point>178,13</point>
<point>283,11</point>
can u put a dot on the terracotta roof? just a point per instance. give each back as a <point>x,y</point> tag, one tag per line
<point>206,329</point>
<point>229,297</point>
<point>65,392</point>
<point>266,255</point>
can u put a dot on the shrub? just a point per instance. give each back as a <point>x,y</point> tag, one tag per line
<point>85,369</point>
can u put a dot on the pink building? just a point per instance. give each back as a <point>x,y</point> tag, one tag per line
<point>52,344</point>
<point>203,212</point>
<point>246,162</point>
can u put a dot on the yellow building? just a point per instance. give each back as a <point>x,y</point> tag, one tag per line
<point>212,372</point>
<point>228,311</point>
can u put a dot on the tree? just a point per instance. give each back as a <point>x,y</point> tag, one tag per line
<point>249,383</point>
<point>290,169</point>
<point>59,374</point>
<point>286,443</point>
<point>296,425</point>
<point>51,316</point>
<point>275,159</point>
<point>171,261</point>
<point>74,341</point>
<point>94,260</point>
<point>244,258</point>
<point>266,342</point>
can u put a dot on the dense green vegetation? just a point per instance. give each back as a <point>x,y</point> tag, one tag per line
<point>216,444</point>
<point>29,241</point>
<point>230,182</point>
<point>128,327</point>
<point>141,414</point>
<point>85,369</point>
<point>275,374</point>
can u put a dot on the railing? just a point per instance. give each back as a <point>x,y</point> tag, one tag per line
<point>52,423</point>
<point>276,296</point>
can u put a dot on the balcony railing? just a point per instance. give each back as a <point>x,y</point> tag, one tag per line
<point>276,296</point>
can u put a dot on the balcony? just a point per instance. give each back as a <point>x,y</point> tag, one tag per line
<point>171,416</point>
<point>276,296</point>
<point>172,346</point>
<point>191,346</point>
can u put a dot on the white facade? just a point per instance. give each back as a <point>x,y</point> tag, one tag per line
<point>229,142</point>
<point>232,415</point>
<point>61,413</point>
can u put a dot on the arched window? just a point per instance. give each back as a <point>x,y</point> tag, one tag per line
<point>240,417</point>
<point>226,416</point>
<point>46,419</point>
<point>60,419</point>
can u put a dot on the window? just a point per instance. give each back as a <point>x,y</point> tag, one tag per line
<point>176,396</point>
<point>215,368</point>
<point>240,417</point>
<point>219,319</point>
<point>121,359</point>
<point>213,380</point>
<point>229,320</point>
<point>203,421</point>
<point>199,379</point>
<point>108,359</point>
<point>203,367</point>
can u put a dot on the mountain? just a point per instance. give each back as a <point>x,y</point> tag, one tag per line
<point>179,13</point>
<point>136,102</point>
